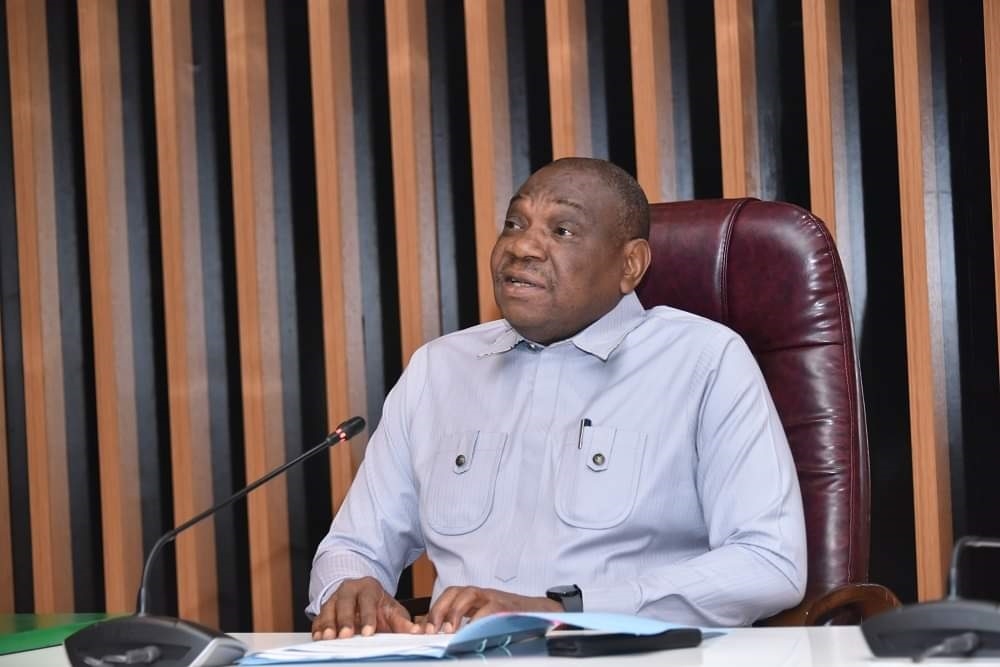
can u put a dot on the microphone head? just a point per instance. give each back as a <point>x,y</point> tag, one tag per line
<point>350,428</point>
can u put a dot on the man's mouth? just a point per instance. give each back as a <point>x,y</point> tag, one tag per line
<point>520,281</point>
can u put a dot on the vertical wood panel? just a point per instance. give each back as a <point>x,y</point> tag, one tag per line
<point>337,208</point>
<point>569,82</point>
<point>184,307</point>
<point>825,113</point>
<point>111,301</point>
<point>260,335</point>
<point>922,293</point>
<point>6,555</point>
<point>734,46</point>
<point>991,28</point>
<point>413,182</point>
<point>652,92</point>
<point>38,263</point>
<point>489,117</point>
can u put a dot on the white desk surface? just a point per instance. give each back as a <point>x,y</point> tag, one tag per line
<point>773,647</point>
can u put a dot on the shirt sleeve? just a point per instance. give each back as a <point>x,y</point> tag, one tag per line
<point>749,494</point>
<point>377,532</point>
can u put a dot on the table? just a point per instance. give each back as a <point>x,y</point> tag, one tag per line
<point>774,647</point>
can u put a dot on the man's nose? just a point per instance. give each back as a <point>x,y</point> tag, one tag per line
<point>529,244</point>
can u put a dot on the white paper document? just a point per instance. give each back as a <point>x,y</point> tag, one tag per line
<point>478,636</point>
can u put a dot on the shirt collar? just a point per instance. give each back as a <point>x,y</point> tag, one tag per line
<point>599,339</point>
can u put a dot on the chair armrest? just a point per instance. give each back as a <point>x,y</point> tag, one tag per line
<point>859,601</point>
<point>416,606</point>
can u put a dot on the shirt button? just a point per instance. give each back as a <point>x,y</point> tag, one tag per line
<point>460,460</point>
<point>598,459</point>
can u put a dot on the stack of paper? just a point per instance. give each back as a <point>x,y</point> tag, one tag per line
<point>478,636</point>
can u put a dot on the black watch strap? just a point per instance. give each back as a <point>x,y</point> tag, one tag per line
<point>570,597</point>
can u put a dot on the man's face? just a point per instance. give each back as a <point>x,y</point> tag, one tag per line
<point>560,262</point>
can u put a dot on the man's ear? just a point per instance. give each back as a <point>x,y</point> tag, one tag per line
<point>637,256</point>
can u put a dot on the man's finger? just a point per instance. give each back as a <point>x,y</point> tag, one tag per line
<point>323,625</point>
<point>441,607</point>
<point>466,603</point>
<point>346,608</point>
<point>367,609</point>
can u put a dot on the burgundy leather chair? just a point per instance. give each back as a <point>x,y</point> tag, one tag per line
<point>770,271</point>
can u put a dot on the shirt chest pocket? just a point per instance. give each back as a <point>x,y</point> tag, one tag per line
<point>598,476</point>
<point>463,480</point>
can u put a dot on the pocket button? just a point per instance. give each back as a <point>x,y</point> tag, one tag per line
<point>598,459</point>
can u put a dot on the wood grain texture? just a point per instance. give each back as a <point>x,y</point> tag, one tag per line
<point>569,81</point>
<point>413,172</point>
<point>991,29</point>
<point>259,320</point>
<point>41,330</point>
<point>824,79</point>
<point>922,294</point>
<point>184,307</point>
<point>652,94</point>
<point>734,47</point>
<point>6,553</point>
<point>413,183</point>
<point>340,251</point>
<point>489,119</point>
<point>111,301</point>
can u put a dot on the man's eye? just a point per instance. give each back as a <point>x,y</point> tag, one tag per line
<point>510,224</point>
<point>563,231</point>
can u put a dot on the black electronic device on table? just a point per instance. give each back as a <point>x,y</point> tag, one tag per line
<point>950,627</point>
<point>162,641</point>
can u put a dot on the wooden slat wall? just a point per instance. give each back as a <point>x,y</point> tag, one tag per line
<point>991,30</point>
<point>184,307</point>
<point>337,137</point>
<point>569,89</point>
<point>489,114</point>
<point>734,48</point>
<point>825,113</point>
<point>338,232</point>
<point>40,299</point>
<point>922,290</point>
<point>652,94</point>
<point>412,176</point>
<point>260,333</point>
<point>111,301</point>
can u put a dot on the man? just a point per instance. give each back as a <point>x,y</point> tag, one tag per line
<point>632,457</point>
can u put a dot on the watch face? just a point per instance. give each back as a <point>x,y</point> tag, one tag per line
<point>564,590</point>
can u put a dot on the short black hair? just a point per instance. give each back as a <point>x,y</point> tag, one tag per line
<point>633,206</point>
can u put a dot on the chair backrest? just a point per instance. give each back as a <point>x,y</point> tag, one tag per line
<point>770,271</point>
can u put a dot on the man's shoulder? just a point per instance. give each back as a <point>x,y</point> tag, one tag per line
<point>477,337</point>
<point>687,323</point>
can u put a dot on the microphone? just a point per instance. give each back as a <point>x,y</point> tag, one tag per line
<point>953,626</point>
<point>162,641</point>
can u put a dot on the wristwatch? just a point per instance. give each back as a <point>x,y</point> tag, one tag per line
<point>570,597</point>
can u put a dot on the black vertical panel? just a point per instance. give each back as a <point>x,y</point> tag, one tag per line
<point>299,295</point>
<point>610,69</point>
<point>74,294</point>
<point>681,93</point>
<point>781,103</point>
<point>376,209</point>
<point>215,207</point>
<point>146,273</point>
<point>974,275</point>
<point>13,365</point>
<point>882,327</point>
<point>697,20</point>
<point>528,88</point>
<point>452,164</point>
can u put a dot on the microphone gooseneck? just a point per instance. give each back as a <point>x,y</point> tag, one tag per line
<point>345,431</point>
<point>956,552</point>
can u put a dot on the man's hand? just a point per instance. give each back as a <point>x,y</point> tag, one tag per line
<point>361,602</point>
<point>458,602</point>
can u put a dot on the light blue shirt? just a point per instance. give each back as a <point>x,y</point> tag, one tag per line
<point>679,500</point>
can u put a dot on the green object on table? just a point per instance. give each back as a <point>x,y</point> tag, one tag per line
<point>26,632</point>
